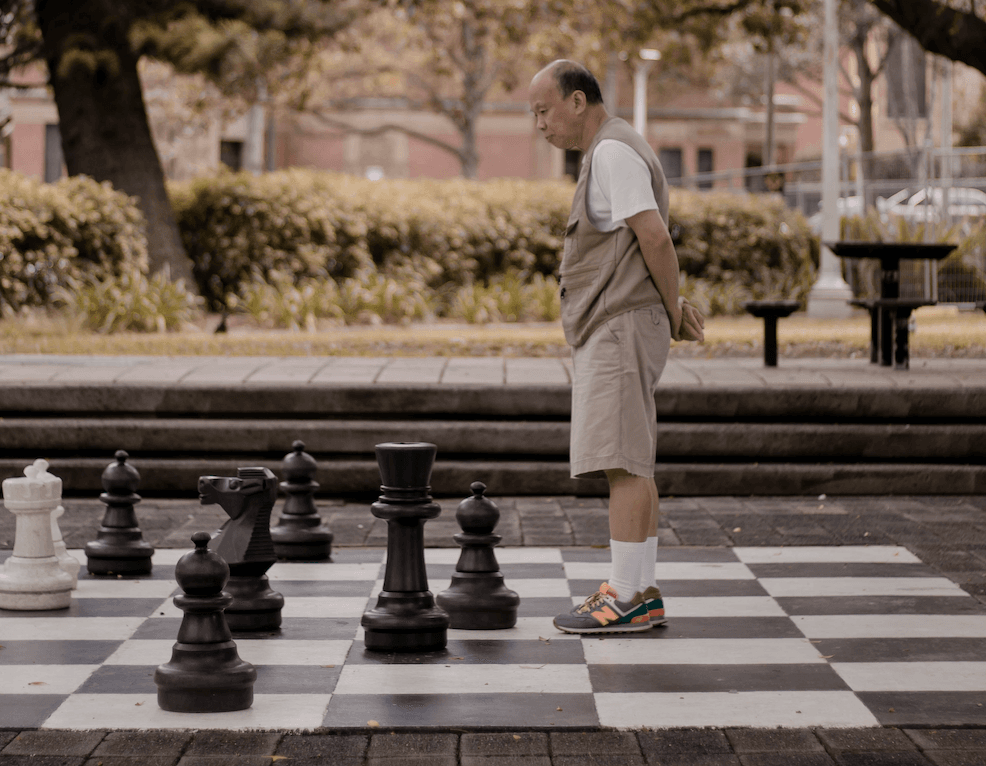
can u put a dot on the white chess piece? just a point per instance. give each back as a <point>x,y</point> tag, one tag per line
<point>65,560</point>
<point>33,578</point>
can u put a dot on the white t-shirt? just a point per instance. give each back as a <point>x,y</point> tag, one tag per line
<point>619,185</point>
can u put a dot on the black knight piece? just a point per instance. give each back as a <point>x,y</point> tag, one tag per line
<point>245,544</point>
<point>477,598</point>
<point>405,618</point>
<point>119,547</point>
<point>205,674</point>
<point>300,534</point>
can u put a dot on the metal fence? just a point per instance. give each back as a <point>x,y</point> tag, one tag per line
<point>923,194</point>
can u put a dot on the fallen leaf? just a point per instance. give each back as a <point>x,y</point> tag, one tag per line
<point>279,758</point>
<point>323,666</point>
<point>517,736</point>
<point>891,710</point>
<point>827,656</point>
<point>557,708</point>
<point>373,724</point>
<point>38,683</point>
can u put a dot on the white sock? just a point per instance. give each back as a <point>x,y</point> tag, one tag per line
<point>627,561</point>
<point>648,565</point>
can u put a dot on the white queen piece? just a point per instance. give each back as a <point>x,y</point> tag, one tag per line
<point>32,578</point>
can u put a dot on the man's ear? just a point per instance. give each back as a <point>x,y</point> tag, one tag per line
<point>578,101</point>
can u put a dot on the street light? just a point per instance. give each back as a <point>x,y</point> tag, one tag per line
<point>647,58</point>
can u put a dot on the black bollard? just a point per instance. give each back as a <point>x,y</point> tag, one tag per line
<point>119,547</point>
<point>477,598</point>
<point>205,674</point>
<point>300,534</point>
<point>406,618</point>
<point>244,543</point>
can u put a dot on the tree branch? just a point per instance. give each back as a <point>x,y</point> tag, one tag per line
<point>940,29</point>
<point>380,129</point>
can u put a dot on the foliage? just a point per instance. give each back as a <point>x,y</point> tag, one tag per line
<point>741,247</point>
<point>959,275</point>
<point>441,234</point>
<point>131,302</point>
<point>478,251</point>
<point>54,235</point>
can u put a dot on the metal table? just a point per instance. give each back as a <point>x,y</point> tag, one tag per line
<point>890,254</point>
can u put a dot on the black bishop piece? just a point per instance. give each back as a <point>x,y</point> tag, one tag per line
<point>206,674</point>
<point>300,534</point>
<point>405,618</point>
<point>119,547</point>
<point>477,598</point>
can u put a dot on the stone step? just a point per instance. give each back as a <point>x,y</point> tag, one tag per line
<point>907,402</point>
<point>178,478</point>
<point>325,438</point>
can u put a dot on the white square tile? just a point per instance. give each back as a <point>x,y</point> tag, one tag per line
<point>833,709</point>
<point>671,570</point>
<point>827,554</point>
<point>784,587</point>
<point>68,628</point>
<point>700,651</point>
<point>459,678</point>
<point>44,679</point>
<point>913,676</point>
<point>141,711</point>
<point>892,625</point>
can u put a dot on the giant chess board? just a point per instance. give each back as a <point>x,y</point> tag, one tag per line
<point>766,637</point>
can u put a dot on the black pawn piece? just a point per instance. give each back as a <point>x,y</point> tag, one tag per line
<point>477,598</point>
<point>245,545</point>
<point>119,547</point>
<point>300,534</point>
<point>206,674</point>
<point>406,618</point>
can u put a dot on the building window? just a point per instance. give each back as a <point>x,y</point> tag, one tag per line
<point>704,165</point>
<point>231,154</point>
<point>54,159</point>
<point>573,162</point>
<point>672,163</point>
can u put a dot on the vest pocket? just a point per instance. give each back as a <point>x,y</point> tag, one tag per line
<point>571,251</point>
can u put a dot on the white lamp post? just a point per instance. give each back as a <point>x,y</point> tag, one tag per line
<point>647,58</point>
<point>830,292</point>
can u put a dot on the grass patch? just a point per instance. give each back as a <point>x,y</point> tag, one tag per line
<point>941,332</point>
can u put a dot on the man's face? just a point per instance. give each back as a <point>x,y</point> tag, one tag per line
<point>558,119</point>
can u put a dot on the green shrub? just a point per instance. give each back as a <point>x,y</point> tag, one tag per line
<point>235,226</point>
<point>131,302</point>
<point>53,236</point>
<point>447,235</point>
<point>748,245</point>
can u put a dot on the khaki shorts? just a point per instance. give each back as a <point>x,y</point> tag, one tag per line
<point>614,418</point>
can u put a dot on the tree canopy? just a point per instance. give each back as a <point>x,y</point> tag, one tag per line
<point>951,29</point>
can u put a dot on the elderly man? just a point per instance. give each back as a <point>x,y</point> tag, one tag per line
<point>620,310</point>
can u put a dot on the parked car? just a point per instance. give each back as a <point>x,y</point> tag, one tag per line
<point>963,202</point>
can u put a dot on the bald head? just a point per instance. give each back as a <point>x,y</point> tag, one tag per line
<point>570,76</point>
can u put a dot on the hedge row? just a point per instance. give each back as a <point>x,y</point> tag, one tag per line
<point>447,234</point>
<point>432,236</point>
<point>57,235</point>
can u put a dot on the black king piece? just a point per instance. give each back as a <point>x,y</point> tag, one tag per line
<point>406,618</point>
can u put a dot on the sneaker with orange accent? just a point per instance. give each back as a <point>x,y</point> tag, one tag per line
<point>603,613</point>
<point>655,605</point>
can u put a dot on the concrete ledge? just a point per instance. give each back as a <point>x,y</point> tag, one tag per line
<point>179,478</point>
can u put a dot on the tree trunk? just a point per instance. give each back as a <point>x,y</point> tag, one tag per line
<point>103,121</point>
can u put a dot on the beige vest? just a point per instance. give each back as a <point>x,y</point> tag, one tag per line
<point>603,273</point>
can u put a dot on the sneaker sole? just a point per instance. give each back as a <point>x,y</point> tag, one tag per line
<point>606,629</point>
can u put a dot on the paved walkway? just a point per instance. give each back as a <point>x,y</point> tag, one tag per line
<point>318,371</point>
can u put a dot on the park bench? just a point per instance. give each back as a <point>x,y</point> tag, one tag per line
<point>770,312</point>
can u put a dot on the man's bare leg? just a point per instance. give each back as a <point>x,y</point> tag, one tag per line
<point>631,516</point>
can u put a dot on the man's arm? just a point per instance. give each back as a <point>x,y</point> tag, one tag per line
<point>662,263</point>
